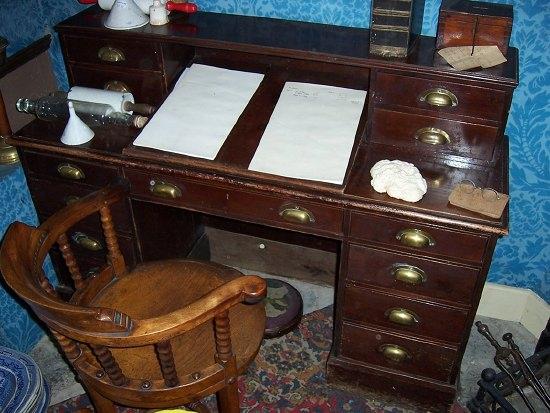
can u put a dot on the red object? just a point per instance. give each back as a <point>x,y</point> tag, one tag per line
<point>183,7</point>
<point>87,1</point>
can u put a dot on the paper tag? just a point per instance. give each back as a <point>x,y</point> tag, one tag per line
<point>482,200</point>
<point>461,57</point>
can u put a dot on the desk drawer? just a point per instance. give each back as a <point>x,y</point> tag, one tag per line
<point>89,245</point>
<point>238,204</point>
<point>421,238</point>
<point>50,197</point>
<point>404,314</point>
<point>112,52</point>
<point>146,87</point>
<point>421,357</point>
<point>406,273</point>
<point>429,133</point>
<point>393,89</point>
<point>69,170</point>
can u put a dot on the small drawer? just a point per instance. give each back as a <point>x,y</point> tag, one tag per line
<point>439,95</point>
<point>404,314</point>
<point>421,238</point>
<point>90,245</point>
<point>422,276</point>
<point>399,352</point>
<point>69,170</point>
<point>50,197</point>
<point>248,206</point>
<point>146,87</point>
<point>428,133</point>
<point>112,52</point>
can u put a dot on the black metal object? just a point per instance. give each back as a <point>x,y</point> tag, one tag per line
<point>517,372</point>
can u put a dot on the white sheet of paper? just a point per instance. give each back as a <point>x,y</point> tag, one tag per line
<point>311,132</point>
<point>200,112</point>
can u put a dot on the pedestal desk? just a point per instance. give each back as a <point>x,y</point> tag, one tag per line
<point>410,276</point>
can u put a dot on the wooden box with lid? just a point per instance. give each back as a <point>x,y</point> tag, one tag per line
<point>474,23</point>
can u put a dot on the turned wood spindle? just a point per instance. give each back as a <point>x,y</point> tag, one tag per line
<point>114,254</point>
<point>109,364</point>
<point>70,347</point>
<point>70,261</point>
<point>222,333</point>
<point>167,365</point>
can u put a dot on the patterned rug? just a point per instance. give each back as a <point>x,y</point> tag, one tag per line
<point>288,376</point>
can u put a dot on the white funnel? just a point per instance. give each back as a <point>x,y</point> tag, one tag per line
<point>124,15</point>
<point>76,132</point>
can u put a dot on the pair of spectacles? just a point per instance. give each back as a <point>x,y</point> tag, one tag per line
<point>489,194</point>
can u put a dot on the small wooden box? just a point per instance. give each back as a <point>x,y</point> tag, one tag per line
<point>468,23</point>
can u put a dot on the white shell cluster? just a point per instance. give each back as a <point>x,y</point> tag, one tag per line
<point>398,179</point>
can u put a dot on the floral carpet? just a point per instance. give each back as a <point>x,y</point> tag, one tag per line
<point>288,376</point>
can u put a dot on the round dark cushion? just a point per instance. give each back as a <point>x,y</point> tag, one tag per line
<point>283,307</point>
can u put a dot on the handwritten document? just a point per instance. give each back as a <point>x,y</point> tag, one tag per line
<point>311,133</point>
<point>198,115</point>
<point>462,58</point>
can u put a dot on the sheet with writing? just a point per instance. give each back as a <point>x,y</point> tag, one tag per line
<point>198,115</point>
<point>311,133</point>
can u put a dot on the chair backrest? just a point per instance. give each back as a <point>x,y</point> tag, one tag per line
<point>25,248</point>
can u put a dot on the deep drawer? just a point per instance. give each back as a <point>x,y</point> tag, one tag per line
<point>113,52</point>
<point>393,89</point>
<point>50,197</point>
<point>428,133</point>
<point>146,87</point>
<point>422,276</point>
<point>247,206</point>
<point>421,238</point>
<point>421,357</point>
<point>69,170</point>
<point>404,314</point>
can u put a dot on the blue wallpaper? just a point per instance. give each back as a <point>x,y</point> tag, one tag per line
<point>522,259</point>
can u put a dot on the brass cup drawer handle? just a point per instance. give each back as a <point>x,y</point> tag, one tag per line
<point>409,274</point>
<point>164,189</point>
<point>432,136</point>
<point>117,86</point>
<point>111,54</point>
<point>296,214</point>
<point>412,237</point>
<point>87,242</point>
<point>66,170</point>
<point>395,353</point>
<point>439,97</point>
<point>402,316</point>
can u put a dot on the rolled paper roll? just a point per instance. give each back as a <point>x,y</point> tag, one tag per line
<point>108,97</point>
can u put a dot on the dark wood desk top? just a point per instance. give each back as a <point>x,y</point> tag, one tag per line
<point>283,38</point>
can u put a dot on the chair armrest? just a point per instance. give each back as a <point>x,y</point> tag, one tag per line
<point>248,288</point>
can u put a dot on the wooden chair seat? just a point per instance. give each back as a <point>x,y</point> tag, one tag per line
<point>162,334</point>
<point>166,286</point>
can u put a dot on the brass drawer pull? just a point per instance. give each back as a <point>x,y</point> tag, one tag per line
<point>111,54</point>
<point>165,190</point>
<point>439,97</point>
<point>394,353</point>
<point>87,242</point>
<point>71,199</point>
<point>409,274</point>
<point>402,316</point>
<point>412,237</point>
<point>296,214</point>
<point>432,136</point>
<point>117,86</point>
<point>66,170</point>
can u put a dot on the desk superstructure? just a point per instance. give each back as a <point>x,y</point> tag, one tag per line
<point>410,275</point>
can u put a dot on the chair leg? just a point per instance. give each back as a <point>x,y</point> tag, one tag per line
<point>101,404</point>
<point>228,399</point>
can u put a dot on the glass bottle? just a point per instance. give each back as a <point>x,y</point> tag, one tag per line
<point>55,107</point>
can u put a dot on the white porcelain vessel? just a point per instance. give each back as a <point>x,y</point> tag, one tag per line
<point>124,15</point>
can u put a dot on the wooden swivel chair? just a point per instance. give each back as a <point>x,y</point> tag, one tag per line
<point>152,337</point>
